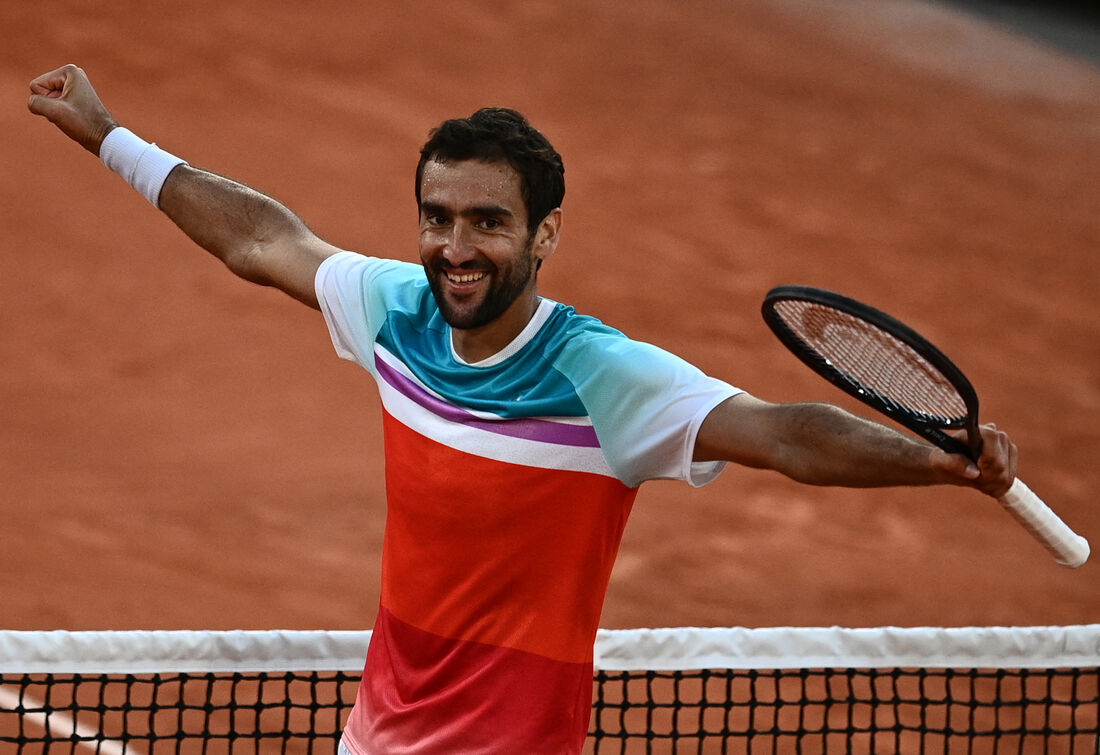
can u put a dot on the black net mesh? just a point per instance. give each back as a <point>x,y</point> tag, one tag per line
<point>891,710</point>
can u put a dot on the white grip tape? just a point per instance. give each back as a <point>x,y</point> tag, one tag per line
<point>143,165</point>
<point>1068,548</point>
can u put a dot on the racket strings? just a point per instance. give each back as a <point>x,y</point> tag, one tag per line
<point>874,360</point>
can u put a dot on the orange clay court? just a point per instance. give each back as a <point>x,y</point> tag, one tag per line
<point>180,449</point>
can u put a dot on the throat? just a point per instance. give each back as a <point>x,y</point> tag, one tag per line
<point>475,345</point>
<point>499,338</point>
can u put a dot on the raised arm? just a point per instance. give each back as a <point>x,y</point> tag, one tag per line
<point>256,237</point>
<point>821,444</point>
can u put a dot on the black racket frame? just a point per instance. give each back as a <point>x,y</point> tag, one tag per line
<point>930,430</point>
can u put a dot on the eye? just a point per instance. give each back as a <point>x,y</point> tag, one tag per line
<point>435,219</point>
<point>489,224</point>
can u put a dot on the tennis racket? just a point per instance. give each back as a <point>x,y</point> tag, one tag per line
<point>893,369</point>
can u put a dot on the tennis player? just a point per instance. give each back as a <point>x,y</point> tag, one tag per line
<point>517,431</point>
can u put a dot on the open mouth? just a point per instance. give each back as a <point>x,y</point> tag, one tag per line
<point>460,278</point>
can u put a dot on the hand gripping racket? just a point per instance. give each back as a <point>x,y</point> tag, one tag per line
<point>893,369</point>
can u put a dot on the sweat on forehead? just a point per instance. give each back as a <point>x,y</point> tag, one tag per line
<point>495,173</point>
<point>468,185</point>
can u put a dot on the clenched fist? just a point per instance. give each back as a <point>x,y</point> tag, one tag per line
<point>67,99</point>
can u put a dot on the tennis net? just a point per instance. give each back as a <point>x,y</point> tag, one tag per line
<point>780,690</point>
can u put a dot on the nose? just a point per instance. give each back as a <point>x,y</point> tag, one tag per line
<point>459,247</point>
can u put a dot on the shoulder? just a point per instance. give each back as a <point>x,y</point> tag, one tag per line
<point>344,267</point>
<point>645,403</point>
<point>584,345</point>
<point>569,331</point>
<point>359,296</point>
<point>361,281</point>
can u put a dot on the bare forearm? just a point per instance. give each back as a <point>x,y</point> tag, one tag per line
<point>818,444</point>
<point>258,238</point>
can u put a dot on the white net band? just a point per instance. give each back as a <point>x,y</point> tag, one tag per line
<point>136,652</point>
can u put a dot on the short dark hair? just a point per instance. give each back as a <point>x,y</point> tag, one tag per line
<point>496,134</point>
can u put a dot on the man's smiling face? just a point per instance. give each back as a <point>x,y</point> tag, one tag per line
<point>475,245</point>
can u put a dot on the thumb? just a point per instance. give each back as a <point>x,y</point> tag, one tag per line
<point>48,106</point>
<point>954,468</point>
<point>61,113</point>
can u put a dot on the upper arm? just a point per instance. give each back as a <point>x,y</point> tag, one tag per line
<point>741,430</point>
<point>257,237</point>
<point>289,264</point>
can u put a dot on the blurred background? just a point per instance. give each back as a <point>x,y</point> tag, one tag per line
<point>179,449</point>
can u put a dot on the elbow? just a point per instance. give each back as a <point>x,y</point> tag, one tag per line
<point>245,262</point>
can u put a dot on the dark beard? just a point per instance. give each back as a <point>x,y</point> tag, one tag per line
<point>501,295</point>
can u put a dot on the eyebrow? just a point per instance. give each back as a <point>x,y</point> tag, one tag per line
<point>491,211</point>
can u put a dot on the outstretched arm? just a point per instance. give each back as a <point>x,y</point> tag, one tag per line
<point>257,238</point>
<point>821,444</point>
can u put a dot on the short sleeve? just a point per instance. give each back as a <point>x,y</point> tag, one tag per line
<point>646,405</point>
<point>355,293</point>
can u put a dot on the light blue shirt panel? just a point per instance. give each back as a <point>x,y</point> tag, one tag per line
<point>357,294</point>
<point>646,405</point>
<point>369,300</point>
<point>523,384</point>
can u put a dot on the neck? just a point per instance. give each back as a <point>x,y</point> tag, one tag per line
<point>476,344</point>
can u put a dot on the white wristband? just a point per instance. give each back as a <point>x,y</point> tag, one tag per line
<point>143,165</point>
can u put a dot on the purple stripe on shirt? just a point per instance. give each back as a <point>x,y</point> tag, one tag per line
<point>527,428</point>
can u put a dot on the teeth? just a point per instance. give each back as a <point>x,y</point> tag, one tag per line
<point>468,278</point>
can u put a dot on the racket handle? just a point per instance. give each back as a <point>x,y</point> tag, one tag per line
<point>1067,547</point>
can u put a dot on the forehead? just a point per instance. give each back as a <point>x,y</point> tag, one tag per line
<point>465,183</point>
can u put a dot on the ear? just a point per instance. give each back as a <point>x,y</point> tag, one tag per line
<point>547,235</point>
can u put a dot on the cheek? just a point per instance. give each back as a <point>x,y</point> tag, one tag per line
<point>429,242</point>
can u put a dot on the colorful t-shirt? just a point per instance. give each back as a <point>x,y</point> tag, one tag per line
<point>508,485</point>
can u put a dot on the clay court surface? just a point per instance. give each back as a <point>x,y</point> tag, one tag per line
<point>179,449</point>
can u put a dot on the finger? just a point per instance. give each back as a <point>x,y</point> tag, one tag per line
<point>45,88</point>
<point>996,443</point>
<point>998,462</point>
<point>54,81</point>
<point>49,86</point>
<point>956,468</point>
